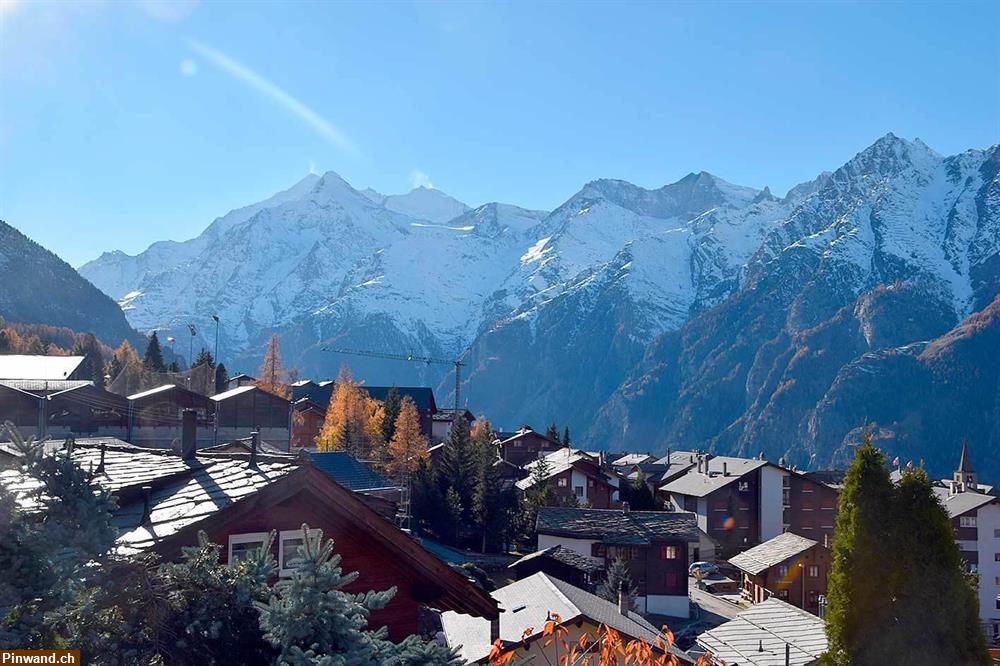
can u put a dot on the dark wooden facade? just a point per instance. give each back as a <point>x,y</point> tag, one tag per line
<point>251,407</point>
<point>307,422</point>
<point>525,446</point>
<point>810,508</point>
<point>657,568</point>
<point>800,580</point>
<point>598,491</point>
<point>733,518</point>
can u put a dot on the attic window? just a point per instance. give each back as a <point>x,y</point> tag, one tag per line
<point>288,549</point>
<point>242,546</point>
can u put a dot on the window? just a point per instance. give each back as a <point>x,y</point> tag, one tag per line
<point>624,552</point>
<point>590,482</point>
<point>598,550</point>
<point>744,507</point>
<point>996,532</point>
<point>563,482</point>
<point>578,491</point>
<point>996,557</point>
<point>242,545</point>
<point>719,506</point>
<point>807,487</point>
<point>786,481</point>
<point>668,552</point>
<point>744,486</point>
<point>996,581</point>
<point>813,571</point>
<point>783,571</point>
<point>813,597</point>
<point>288,549</point>
<point>807,505</point>
<point>786,497</point>
<point>828,504</point>
<point>967,521</point>
<point>783,594</point>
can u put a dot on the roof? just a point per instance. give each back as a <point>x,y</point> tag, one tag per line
<point>957,504</point>
<point>348,471</point>
<point>181,395</point>
<point>633,459</point>
<point>45,386</point>
<point>965,461</point>
<point>239,390</point>
<point>563,555</point>
<point>558,461</point>
<point>771,552</point>
<point>30,366</point>
<point>769,625</point>
<point>699,484</point>
<point>505,437</point>
<point>527,603</point>
<point>617,526</point>
<point>243,445</point>
<point>448,415</point>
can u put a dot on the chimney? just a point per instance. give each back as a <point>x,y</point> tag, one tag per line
<point>788,654</point>
<point>100,467</point>
<point>254,445</point>
<point>147,506</point>
<point>625,508</point>
<point>725,468</point>
<point>622,599</point>
<point>188,429</point>
<point>495,628</point>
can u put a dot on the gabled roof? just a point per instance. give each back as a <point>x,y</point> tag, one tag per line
<point>563,555</point>
<point>958,504</point>
<point>39,387</point>
<point>37,366</point>
<point>558,461</point>
<point>244,445</point>
<point>771,552</point>
<point>965,461</point>
<point>617,526</point>
<point>758,635</point>
<point>178,394</point>
<point>699,484</point>
<point>448,415</point>
<point>505,437</point>
<point>239,390</point>
<point>630,459</point>
<point>527,604</point>
<point>348,471</point>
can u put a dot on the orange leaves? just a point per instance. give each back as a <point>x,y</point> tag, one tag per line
<point>408,444</point>
<point>497,655</point>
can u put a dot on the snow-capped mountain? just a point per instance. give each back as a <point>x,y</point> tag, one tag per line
<point>673,290</point>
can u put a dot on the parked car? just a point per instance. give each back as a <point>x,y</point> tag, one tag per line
<point>705,568</point>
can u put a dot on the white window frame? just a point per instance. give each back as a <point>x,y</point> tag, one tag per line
<point>288,534</point>
<point>967,521</point>
<point>248,537</point>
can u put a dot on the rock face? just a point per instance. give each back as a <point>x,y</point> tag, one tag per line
<point>698,314</point>
<point>37,287</point>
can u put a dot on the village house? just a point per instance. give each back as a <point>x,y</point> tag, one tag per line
<point>975,517</point>
<point>525,445</point>
<point>442,420</point>
<point>307,423</point>
<point>771,633</point>
<point>658,546</point>
<point>790,567</point>
<point>154,416</point>
<point>165,499</point>
<point>246,409</point>
<point>575,476</point>
<point>239,380</point>
<point>563,563</point>
<point>528,604</point>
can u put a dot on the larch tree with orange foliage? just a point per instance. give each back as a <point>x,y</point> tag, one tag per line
<point>272,377</point>
<point>353,419</point>
<point>408,445</point>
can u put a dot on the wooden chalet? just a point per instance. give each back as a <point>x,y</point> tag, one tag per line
<point>442,420</point>
<point>790,567</point>
<point>166,499</point>
<point>246,409</point>
<point>525,446</point>
<point>307,422</point>
<point>563,563</point>
<point>656,544</point>
<point>154,418</point>
<point>576,476</point>
<point>62,408</point>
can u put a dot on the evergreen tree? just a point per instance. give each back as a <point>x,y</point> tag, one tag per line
<point>408,445</point>
<point>86,345</point>
<point>618,577</point>
<point>221,378</point>
<point>427,500</point>
<point>552,432</point>
<point>457,469</point>
<point>174,367</point>
<point>538,494</point>
<point>565,437</point>
<point>390,413</point>
<point>153,359</point>
<point>271,377</point>
<point>204,357</point>
<point>6,344</point>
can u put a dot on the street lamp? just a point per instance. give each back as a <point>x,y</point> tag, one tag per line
<point>216,356</point>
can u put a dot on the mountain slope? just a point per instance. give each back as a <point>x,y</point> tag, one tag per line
<point>37,287</point>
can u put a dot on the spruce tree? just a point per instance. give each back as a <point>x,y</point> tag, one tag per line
<point>618,577</point>
<point>390,412</point>
<point>204,357</point>
<point>456,461</point>
<point>552,432</point>
<point>153,359</point>
<point>86,345</point>
<point>221,378</point>
<point>565,437</point>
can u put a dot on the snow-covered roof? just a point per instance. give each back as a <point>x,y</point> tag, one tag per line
<point>36,366</point>
<point>758,636</point>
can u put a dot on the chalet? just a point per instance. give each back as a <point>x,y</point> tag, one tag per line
<point>658,546</point>
<point>975,518</point>
<point>791,567</point>
<point>576,476</point>
<point>525,446</point>
<point>528,604</point>
<point>809,506</point>
<point>630,459</point>
<point>62,408</point>
<point>246,409</point>
<point>239,380</point>
<point>307,422</point>
<point>767,634</point>
<point>442,420</point>
<point>563,563</point>
<point>154,416</point>
<point>166,499</point>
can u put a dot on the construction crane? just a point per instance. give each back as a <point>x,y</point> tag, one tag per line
<point>411,359</point>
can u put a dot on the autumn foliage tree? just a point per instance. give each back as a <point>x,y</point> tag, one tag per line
<point>353,419</point>
<point>408,445</point>
<point>272,377</point>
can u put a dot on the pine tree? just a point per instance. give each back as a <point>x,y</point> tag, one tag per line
<point>271,377</point>
<point>221,378</point>
<point>538,494</point>
<point>204,357</point>
<point>618,577</point>
<point>456,461</point>
<point>427,500</point>
<point>408,446</point>
<point>390,412</point>
<point>153,360</point>
<point>565,437</point>
<point>552,432</point>
<point>86,345</point>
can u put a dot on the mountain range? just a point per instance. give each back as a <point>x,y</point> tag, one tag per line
<point>700,314</point>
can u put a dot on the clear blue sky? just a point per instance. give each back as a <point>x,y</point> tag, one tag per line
<point>124,123</point>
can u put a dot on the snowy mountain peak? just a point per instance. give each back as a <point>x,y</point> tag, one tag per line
<point>424,203</point>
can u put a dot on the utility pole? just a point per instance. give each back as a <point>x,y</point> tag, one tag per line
<point>216,356</point>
